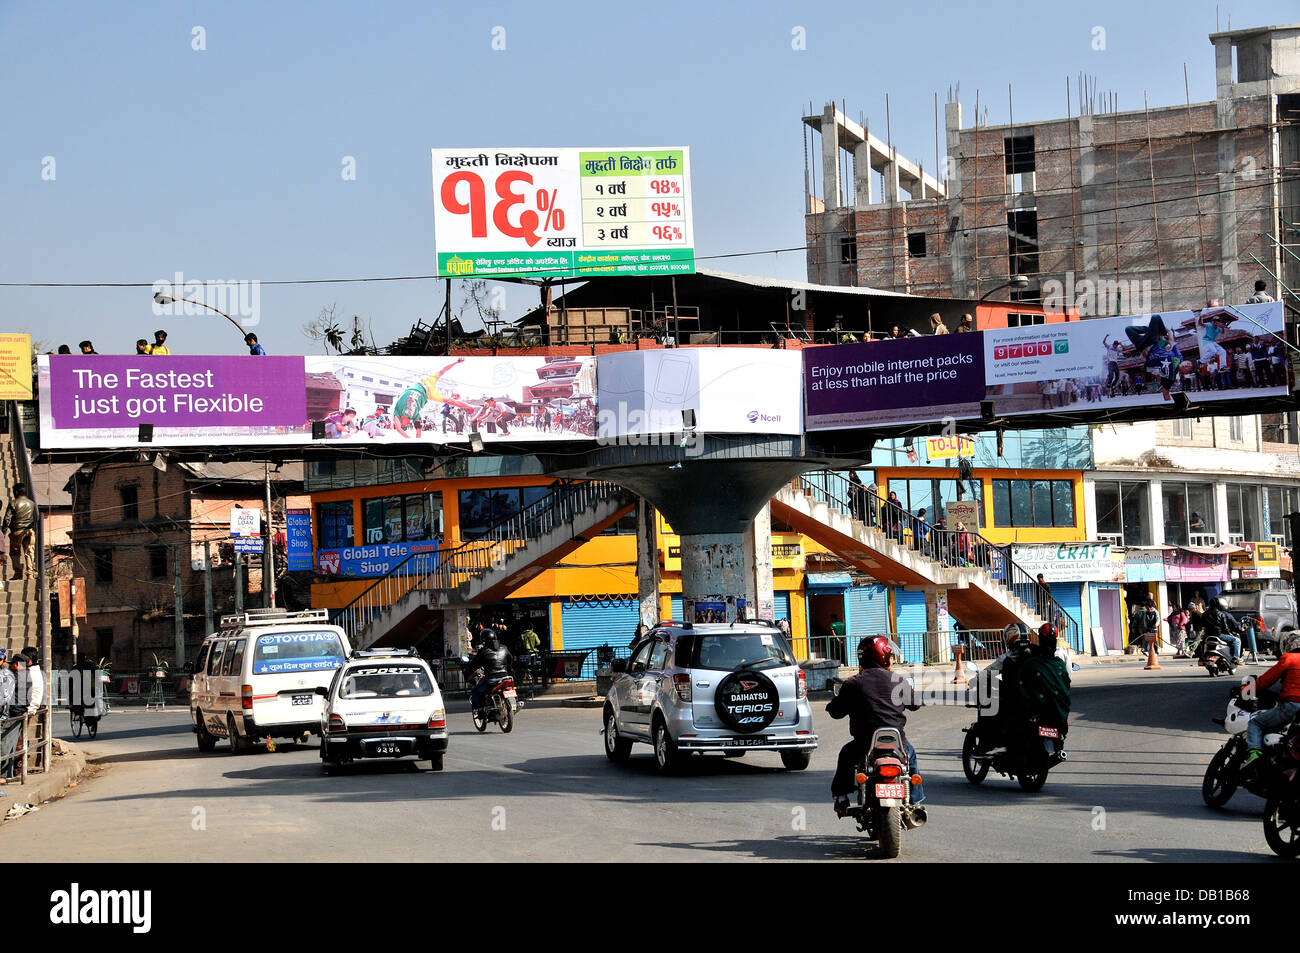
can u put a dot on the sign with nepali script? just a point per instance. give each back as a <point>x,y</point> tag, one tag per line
<point>562,212</point>
<point>1184,565</point>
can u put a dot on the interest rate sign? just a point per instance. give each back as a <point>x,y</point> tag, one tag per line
<point>563,212</point>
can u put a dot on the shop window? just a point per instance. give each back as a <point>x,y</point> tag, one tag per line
<point>334,525</point>
<point>401,519</point>
<point>1039,503</point>
<point>484,508</point>
<point>1243,513</point>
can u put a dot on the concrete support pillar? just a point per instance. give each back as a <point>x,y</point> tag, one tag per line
<point>1157,509</point>
<point>951,176</point>
<point>1225,115</point>
<point>831,189</point>
<point>760,597</point>
<point>1221,510</point>
<point>937,625</point>
<point>647,563</point>
<point>891,178</point>
<point>862,174</point>
<point>455,629</point>
<point>713,573</point>
<point>1087,239</point>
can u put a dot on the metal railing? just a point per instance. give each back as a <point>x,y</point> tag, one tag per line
<point>957,548</point>
<point>978,645</point>
<point>22,737</point>
<point>445,570</point>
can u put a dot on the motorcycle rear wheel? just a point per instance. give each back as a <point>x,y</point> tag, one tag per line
<point>480,719</point>
<point>889,828</point>
<point>505,717</point>
<point>1282,826</point>
<point>975,770</point>
<point>1220,781</point>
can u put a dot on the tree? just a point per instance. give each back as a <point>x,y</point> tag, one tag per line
<point>325,328</point>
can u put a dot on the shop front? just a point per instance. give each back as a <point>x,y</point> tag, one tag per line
<point>1071,570</point>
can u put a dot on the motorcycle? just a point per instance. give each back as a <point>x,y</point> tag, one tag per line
<point>1268,774</point>
<point>1282,816</point>
<point>1215,656</point>
<point>1040,749</point>
<point>500,703</point>
<point>883,806</point>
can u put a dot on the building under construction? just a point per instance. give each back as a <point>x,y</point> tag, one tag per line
<point>1162,207</point>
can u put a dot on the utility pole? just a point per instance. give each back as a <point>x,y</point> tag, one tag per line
<point>207,587</point>
<point>180,609</point>
<point>268,548</point>
<point>239,583</point>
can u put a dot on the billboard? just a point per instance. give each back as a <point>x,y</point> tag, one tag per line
<point>99,401</point>
<point>730,390</point>
<point>15,367</point>
<point>562,212</point>
<point>1212,354</point>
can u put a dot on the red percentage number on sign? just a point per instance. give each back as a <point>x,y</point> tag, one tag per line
<point>476,205</point>
<point>665,187</point>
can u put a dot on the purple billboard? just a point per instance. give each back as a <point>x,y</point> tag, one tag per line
<point>186,399</point>
<point>908,380</point>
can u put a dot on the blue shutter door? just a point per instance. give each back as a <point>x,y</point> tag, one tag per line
<point>588,625</point>
<point>677,609</point>
<point>781,606</point>
<point>868,610</point>
<point>910,615</point>
<point>1070,596</point>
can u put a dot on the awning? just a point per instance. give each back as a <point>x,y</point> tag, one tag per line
<point>828,580</point>
<point>1220,550</point>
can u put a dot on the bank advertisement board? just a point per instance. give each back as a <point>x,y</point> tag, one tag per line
<point>1229,353</point>
<point>544,212</point>
<point>729,390</point>
<point>100,401</point>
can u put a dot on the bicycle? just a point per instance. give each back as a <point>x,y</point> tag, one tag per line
<point>81,718</point>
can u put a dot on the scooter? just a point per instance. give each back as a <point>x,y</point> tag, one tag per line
<point>1040,748</point>
<point>1215,656</point>
<point>1267,774</point>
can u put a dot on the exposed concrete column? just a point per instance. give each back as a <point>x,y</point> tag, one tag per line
<point>953,162</point>
<point>1087,200</point>
<point>760,597</point>
<point>455,629</point>
<point>647,563</point>
<point>891,177</point>
<point>862,174</point>
<point>937,625</point>
<point>1225,118</point>
<point>713,570</point>
<point>831,189</point>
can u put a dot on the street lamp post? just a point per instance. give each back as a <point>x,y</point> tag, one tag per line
<point>166,299</point>
<point>1016,281</point>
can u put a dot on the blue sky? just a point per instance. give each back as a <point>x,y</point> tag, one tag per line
<point>225,163</point>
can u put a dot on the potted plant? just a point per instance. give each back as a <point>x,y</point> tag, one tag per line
<point>159,667</point>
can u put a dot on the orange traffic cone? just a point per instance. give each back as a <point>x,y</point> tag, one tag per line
<point>1152,661</point>
<point>959,670</point>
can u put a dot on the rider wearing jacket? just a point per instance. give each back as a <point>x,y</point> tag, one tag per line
<point>1288,670</point>
<point>1219,622</point>
<point>495,661</point>
<point>876,697</point>
<point>1043,684</point>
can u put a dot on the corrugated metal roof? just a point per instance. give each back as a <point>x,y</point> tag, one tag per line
<point>759,281</point>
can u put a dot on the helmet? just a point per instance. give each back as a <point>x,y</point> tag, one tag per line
<point>1291,641</point>
<point>875,652</point>
<point>1047,638</point>
<point>489,637</point>
<point>1016,637</point>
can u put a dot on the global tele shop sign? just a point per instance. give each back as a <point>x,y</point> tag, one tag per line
<point>369,562</point>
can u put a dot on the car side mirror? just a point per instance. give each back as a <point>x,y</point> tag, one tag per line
<point>321,690</point>
<point>618,665</point>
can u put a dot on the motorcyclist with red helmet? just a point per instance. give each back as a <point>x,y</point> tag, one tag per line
<point>877,697</point>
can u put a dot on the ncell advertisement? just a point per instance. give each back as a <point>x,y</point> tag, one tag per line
<point>1214,354</point>
<point>562,212</point>
<point>90,400</point>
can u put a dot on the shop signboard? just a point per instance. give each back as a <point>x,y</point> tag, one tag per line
<point>1185,565</point>
<point>1144,565</point>
<point>1067,562</point>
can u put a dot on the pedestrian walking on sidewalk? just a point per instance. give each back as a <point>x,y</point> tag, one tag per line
<point>20,525</point>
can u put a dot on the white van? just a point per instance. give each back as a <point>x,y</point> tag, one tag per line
<point>257,676</point>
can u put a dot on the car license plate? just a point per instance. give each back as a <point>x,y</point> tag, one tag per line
<point>385,749</point>
<point>752,741</point>
<point>302,699</point>
<point>1048,733</point>
<point>894,790</point>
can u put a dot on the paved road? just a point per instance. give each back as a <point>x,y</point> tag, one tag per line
<point>1139,743</point>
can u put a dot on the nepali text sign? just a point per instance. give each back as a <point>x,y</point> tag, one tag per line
<point>245,522</point>
<point>891,382</point>
<point>1184,565</point>
<point>15,367</point>
<point>1067,562</point>
<point>1257,561</point>
<point>562,212</point>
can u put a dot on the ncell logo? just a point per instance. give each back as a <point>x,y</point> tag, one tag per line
<point>101,907</point>
<point>754,417</point>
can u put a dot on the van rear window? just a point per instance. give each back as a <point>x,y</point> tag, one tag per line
<point>278,653</point>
